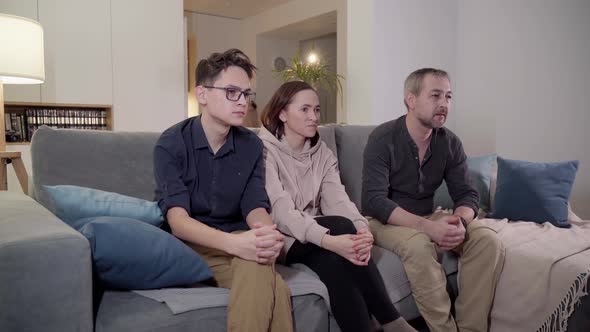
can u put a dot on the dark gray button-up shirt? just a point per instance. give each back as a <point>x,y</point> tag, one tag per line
<point>393,175</point>
<point>219,189</point>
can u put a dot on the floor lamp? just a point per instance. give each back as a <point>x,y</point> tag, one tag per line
<point>21,62</point>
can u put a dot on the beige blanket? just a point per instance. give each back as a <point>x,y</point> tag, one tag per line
<point>545,275</point>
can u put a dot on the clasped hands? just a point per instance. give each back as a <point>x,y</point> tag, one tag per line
<point>261,244</point>
<point>356,248</point>
<point>446,231</point>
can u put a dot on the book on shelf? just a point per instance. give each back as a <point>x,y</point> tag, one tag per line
<point>20,126</point>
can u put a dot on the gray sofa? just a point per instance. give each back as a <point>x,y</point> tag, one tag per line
<point>46,280</point>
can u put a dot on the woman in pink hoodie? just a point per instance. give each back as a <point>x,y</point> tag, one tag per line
<point>323,228</point>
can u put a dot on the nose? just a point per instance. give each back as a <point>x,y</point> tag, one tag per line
<point>313,115</point>
<point>242,99</point>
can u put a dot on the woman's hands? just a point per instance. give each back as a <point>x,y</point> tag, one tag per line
<point>356,248</point>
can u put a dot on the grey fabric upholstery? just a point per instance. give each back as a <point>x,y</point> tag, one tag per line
<point>351,142</point>
<point>127,311</point>
<point>122,162</point>
<point>45,270</point>
<point>112,161</point>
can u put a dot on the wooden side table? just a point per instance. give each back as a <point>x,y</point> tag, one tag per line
<point>19,168</point>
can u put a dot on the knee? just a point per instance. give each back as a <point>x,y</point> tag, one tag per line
<point>418,248</point>
<point>487,239</point>
<point>252,271</point>
<point>338,225</point>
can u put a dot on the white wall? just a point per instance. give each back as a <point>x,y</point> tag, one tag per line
<point>148,68</point>
<point>292,12</point>
<point>77,35</point>
<point>108,52</point>
<point>208,34</point>
<point>523,81</point>
<point>215,34</point>
<point>409,34</point>
<point>267,49</point>
<point>325,47</point>
<point>360,74</point>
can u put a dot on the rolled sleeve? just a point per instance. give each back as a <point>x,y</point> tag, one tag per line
<point>376,168</point>
<point>170,189</point>
<point>255,196</point>
<point>458,181</point>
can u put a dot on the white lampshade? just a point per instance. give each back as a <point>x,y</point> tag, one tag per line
<point>21,51</point>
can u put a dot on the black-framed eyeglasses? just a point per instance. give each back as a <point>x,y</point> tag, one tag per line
<point>234,94</point>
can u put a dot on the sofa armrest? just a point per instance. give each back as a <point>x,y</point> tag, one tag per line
<point>45,270</point>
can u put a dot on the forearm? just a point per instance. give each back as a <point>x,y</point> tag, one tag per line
<point>258,216</point>
<point>401,217</point>
<point>193,231</point>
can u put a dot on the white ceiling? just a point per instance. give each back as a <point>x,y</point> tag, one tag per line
<point>231,8</point>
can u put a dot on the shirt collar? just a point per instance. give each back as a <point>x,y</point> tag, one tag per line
<point>200,140</point>
<point>409,138</point>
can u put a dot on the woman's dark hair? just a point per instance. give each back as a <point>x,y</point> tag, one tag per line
<point>208,69</point>
<point>278,102</point>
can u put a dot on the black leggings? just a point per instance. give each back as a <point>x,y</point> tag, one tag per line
<point>356,292</point>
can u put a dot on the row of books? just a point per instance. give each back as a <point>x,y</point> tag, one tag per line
<point>20,127</point>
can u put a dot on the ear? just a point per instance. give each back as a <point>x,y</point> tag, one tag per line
<point>201,94</point>
<point>411,100</point>
<point>283,115</point>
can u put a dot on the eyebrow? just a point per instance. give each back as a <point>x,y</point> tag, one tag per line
<point>237,87</point>
<point>441,91</point>
<point>308,105</point>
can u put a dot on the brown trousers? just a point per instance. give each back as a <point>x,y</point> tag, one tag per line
<point>480,264</point>
<point>259,299</point>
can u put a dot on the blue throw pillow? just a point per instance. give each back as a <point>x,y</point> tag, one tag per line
<point>532,191</point>
<point>130,254</point>
<point>481,170</point>
<point>72,203</point>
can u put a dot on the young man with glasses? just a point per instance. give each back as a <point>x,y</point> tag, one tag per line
<point>210,186</point>
<point>405,161</point>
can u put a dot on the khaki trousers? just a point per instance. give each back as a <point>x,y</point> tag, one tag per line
<point>480,264</point>
<point>259,299</point>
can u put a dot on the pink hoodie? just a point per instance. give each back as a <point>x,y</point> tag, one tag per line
<point>304,185</point>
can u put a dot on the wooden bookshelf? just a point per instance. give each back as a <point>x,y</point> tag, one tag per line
<point>29,116</point>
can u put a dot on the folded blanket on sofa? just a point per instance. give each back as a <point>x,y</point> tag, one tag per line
<point>545,275</point>
<point>181,300</point>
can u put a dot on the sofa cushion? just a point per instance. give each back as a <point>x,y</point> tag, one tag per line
<point>119,162</point>
<point>482,170</point>
<point>128,311</point>
<point>131,254</point>
<point>531,191</point>
<point>73,203</point>
<point>351,142</point>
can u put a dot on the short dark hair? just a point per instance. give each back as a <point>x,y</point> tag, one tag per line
<point>414,81</point>
<point>281,98</point>
<point>208,69</point>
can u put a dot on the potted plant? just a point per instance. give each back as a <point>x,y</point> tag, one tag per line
<point>316,74</point>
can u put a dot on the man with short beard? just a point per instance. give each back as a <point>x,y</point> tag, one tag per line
<point>405,161</point>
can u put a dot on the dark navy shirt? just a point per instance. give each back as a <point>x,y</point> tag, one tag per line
<point>219,189</point>
<point>393,175</point>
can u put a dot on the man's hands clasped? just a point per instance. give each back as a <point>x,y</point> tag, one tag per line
<point>446,231</point>
<point>262,244</point>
